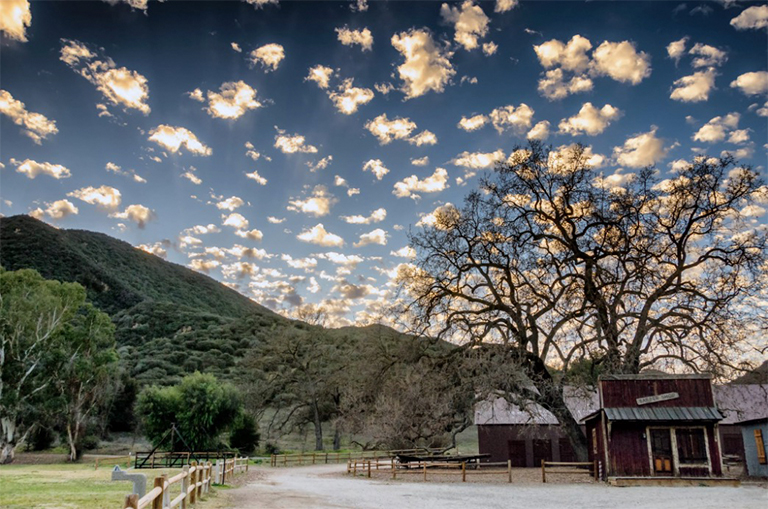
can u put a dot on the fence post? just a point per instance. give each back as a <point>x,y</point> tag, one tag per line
<point>369,469</point>
<point>354,468</point>
<point>425,470</point>
<point>132,501</point>
<point>157,503</point>
<point>210,477</point>
<point>543,472</point>
<point>166,492</point>
<point>185,486</point>
<point>463,471</point>
<point>193,483</point>
<point>200,479</point>
<point>509,469</point>
<point>594,468</point>
<point>224,471</point>
<point>246,465</point>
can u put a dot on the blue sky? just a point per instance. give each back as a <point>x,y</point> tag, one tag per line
<point>144,121</point>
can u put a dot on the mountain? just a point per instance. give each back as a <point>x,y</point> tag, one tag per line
<point>116,275</point>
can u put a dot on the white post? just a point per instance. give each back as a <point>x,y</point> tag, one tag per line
<point>185,486</point>
<point>166,493</point>
<point>217,472</point>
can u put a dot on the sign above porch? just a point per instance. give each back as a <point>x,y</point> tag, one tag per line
<point>658,397</point>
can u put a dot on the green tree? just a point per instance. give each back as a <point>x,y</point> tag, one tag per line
<point>244,436</point>
<point>87,372</point>
<point>32,312</point>
<point>200,406</point>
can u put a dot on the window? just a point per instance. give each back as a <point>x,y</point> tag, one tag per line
<point>760,446</point>
<point>691,446</point>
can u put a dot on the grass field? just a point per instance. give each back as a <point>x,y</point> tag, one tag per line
<point>70,486</point>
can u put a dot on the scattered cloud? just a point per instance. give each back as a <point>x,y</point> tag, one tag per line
<point>376,167</point>
<point>61,209</point>
<point>426,68</point>
<point>376,216</point>
<point>694,88</point>
<point>233,100</point>
<point>349,37</point>
<point>469,22</point>
<point>621,61</point>
<point>269,56</point>
<point>377,236</point>
<point>755,18</point>
<point>103,196</point>
<point>421,161</point>
<point>478,160</point>
<point>404,252</point>
<point>318,235</point>
<point>752,83</point>
<point>230,203</point>
<point>347,98</point>
<point>540,131</point>
<point>35,125</point>
<point>409,187</point>
<point>505,5</point>
<point>292,143</point>
<point>643,149</point>
<point>15,18</point>
<point>32,169</point>
<point>320,165</point>
<point>254,175</point>
<point>589,120</point>
<point>508,117</point>
<point>321,75</point>
<point>386,130</point>
<point>318,204</point>
<point>717,128</point>
<point>707,56</point>
<point>113,168</point>
<point>119,86</point>
<point>173,138</point>
<point>472,123</point>
<point>139,214</point>
<point>676,49</point>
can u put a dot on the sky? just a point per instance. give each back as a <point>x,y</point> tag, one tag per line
<point>287,148</point>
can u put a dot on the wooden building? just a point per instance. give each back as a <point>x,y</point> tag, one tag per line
<point>755,434</point>
<point>655,426</point>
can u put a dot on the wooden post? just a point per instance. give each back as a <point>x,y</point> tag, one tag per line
<point>185,486</point>
<point>285,459</point>
<point>543,472</point>
<point>425,471</point>
<point>594,469</point>
<point>463,471</point>
<point>210,477</point>
<point>369,469</point>
<point>199,480</point>
<point>193,482</point>
<point>394,470</point>
<point>246,465</point>
<point>157,503</point>
<point>153,460</point>
<point>509,469</point>
<point>132,501</point>
<point>354,468</point>
<point>301,458</point>
<point>326,458</point>
<point>224,471</point>
<point>313,458</point>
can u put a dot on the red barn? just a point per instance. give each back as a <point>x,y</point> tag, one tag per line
<point>655,426</point>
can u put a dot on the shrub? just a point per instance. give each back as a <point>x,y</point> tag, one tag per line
<point>244,436</point>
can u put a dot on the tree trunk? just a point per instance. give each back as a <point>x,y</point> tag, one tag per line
<point>7,441</point>
<point>72,438</point>
<point>336,439</point>
<point>318,427</point>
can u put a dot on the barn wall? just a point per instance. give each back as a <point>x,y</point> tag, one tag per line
<point>754,468</point>
<point>624,393</point>
<point>731,441</point>
<point>715,454</point>
<point>525,444</point>
<point>628,450</point>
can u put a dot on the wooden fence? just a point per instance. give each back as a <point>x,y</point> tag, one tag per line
<point>191,484</point>
<point>112,460</point>
<point>435,467</point>
<point>586,467</point>
<point>316,458</point>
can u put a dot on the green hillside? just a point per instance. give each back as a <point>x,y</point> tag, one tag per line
<point>116,275</point>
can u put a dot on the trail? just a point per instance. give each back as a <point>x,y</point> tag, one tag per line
<point>325,487</point>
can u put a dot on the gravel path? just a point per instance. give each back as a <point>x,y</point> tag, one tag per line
<point>327,486</point>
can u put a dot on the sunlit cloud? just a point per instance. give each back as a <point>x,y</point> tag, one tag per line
<point>318,204</point>
<point>349,37</point>
<point>643,149</point>
<point>469,23</point>
<point>103,196</point>
<point>173,139</point>
<point>409,187</point>
<point>427,67</point>
<point>320,236</point>
<point>139,214</point>
<point>377,236</point>
<point>15,18</point>
<point>34,125</point>
<point>232,101</point>
<point>589,120</point>
<point>348,98</point>
<point>376,216</point>
<point>269,56</point>
<point>292,143</point>
<point>32,169</point>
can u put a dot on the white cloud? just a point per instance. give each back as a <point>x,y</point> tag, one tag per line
<point>103,196</point>
<point>275,220</point>
<point>387,130</point>
<point>254,175</point>
<point>139,214</point>
<point>269,56</point>
<point>253,153</point>
<point>232,101</point>
<point>509,117</point>
<point>589,120</point>
<point>236,47</point>
<point>319,165</point>
<point>32,169</point>
<point>717,128</point>
<point>346,261</point>
<point>350,37</point>
<point>421,161</point>
<point>376,167</point>
<point>173,138</point>
<point>505,5</point>
<point>754,17</point>
<point>404,252</point>
<point>559,161</point>
<point>553,85</point>
<point>358,5</point>
<point>190,175</point>
<point>571,56</point>
<point>292,143</point>
<point>202,265</point>
<point>410,186</point>
<point>469,21</point>
<point>203,229</point>
<point>540,131</point>
<point>120,86</point>
<point>478,160</point>
<point>308,264</point>
<point>376,216</point>
<point>384,88</point>
<point>230,203</point>
<point>707,56</point>
<point>61,209</point>
<point>676,49</point>
<point>472,123</point>
<point>35,125</point>
<point>752,83</point>
<point>318,204</point>
<point>15,17</point>
<point>259,4</point>
<point>113,168</point>
<point>490,48</point>
<point>321,75</point>
<point>348,98</point>
<point>439,217</point>
<point>426,68</point>
<point>235,220</point>
<point>694,88</point>
<point>157,249</point>
<point>621,61</point>
<point>318,235</point>
<point>643,149</point>
<point>377,236</point>
<point>423,138</point>
<point>250,234</point>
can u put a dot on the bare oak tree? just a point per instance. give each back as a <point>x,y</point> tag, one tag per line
<point>559,264</point>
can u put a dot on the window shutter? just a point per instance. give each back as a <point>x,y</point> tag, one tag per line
<point>760,446</point>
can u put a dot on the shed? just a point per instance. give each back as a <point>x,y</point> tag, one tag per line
<point>755,434</point>
<point>655,426</point>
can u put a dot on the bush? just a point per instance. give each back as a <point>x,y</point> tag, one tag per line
<point>244,436</point>
<point>89,442</point>
<point>270,448</point>
<point>41,439</point>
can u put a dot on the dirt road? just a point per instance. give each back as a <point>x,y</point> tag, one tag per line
<point>323,486</point>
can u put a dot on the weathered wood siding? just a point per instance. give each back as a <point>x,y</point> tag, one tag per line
<point>628,450</point>
<point>695,392</point>
<point>525,444</point>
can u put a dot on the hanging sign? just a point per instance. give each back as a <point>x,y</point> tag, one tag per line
<point>659,397</point>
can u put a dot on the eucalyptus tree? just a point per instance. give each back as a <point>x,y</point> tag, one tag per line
<point>558,264</point>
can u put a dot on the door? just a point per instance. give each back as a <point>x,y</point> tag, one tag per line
<point>542,450</point>
<point>516,449</point>
<point>661,451</point>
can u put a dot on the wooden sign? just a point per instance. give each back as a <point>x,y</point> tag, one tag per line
<point>659,397</point>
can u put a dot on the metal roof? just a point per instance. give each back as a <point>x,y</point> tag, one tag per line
<point>673,413</point>
<point>658,376</point>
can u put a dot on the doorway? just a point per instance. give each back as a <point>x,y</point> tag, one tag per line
<point>661,451</point>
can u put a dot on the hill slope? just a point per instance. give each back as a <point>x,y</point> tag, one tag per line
<point>116,275</point>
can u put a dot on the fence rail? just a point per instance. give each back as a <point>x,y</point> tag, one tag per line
<point>315,458</point>
<point>127,458</point>
<point>176,459</point>
<point>463,468</point>
<point>586,467</point>
<point>191,484</point>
